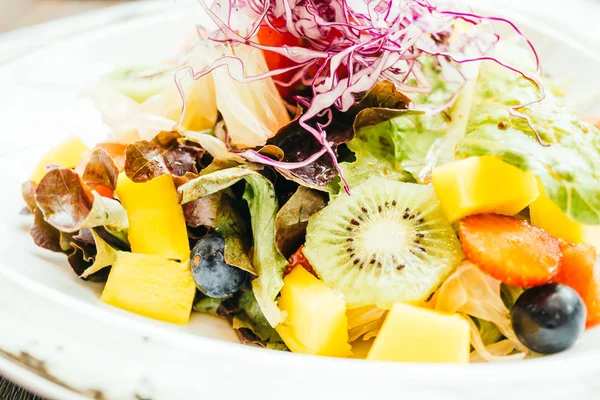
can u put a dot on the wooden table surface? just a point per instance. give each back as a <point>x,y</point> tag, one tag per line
<point>22,13</point>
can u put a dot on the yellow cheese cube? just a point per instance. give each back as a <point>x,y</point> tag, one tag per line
<point>156,221</point>
<point>545,214</point>
<point>480,185</point>
<point>316,317</point>
<point>151,286</point>
<point>413,334</point>
<point>66,154</point>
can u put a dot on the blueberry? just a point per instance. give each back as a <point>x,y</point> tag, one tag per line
<point>213,276</point>
<point>549,318</point>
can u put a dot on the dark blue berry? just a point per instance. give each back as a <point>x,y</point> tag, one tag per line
<point>213,276</point>
<point>548,319</point>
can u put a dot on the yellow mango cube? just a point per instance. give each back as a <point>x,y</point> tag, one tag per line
<point>66,154</point>
<point>316,317</point>
<point>545,214</point>
<point>156,222</point>
<point>413,334</point>
<point>151,286</point>
<point>479,185</point>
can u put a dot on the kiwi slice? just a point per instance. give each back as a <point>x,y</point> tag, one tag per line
<point>139,83</point>
<point>387,242</point>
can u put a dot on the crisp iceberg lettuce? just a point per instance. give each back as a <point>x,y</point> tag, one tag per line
<point>566,158</point>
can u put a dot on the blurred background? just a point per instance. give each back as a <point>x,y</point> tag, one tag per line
<point>15,14</point>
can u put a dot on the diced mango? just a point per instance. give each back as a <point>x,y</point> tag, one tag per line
<point>480,185</point>
<point>316,317</point>
<point>545,214</point>
<point>156,222</point>
<point>151,286</point>
<point>413,334</point>
<point>66,154</point>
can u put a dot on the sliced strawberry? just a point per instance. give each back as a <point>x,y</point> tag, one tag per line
<point>592,301</point>
<point>578,270</point>
<point>577,267</point>
<point>510,250</point>
<point>298,259</point>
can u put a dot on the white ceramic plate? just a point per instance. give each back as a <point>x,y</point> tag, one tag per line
<point>58,339</point>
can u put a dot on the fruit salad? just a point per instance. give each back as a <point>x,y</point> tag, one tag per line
<point>387,180</point>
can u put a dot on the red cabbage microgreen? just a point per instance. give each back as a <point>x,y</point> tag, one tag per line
<point>350,45</point>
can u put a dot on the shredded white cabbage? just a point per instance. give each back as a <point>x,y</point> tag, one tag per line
<point>364,321</point>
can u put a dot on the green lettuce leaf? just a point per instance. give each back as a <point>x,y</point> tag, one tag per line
<point>379,104</point>
<point>409,146</point>
<point>91,255</point>
<point>292,219</point>
<point>568,164</point>
<point>250,316</point>
<point>263,205</point>
<point>105,256</point>
<point>246,317</point>
<point>218,211</point>
<point>269,264</point>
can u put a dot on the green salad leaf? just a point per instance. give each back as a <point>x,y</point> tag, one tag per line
<point>246,317</point>
<point>263,205</point>
<point>567,160</point>
<point>208,305</point>
<point>409,146</point>
<point>105,256</point>
<point>250,316</point>
<point>292,219</point>
<point>218,211</point>
<point>90,255</point>
<point>380,103</point>
<point>262,201</point>
<point>65,202</point>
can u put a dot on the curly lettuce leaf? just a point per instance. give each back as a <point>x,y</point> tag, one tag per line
<point>410,145</point>
<point>379,104</point>
<point>263,205</point>
<point>269,264</point>
<point>568,159</point>
<point>292,219</point>
<point>214,181</point>
<point>91,255</point>
<point>45,235</point>
<point>246,317</point>
<point>101,170</point>
<point>217,211</point>
<point>66,204</point>
<point>28,193</point>
<point>105,256</point>
<point>251,317</point>
<point>380,150</point>
<point>166,153</point>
